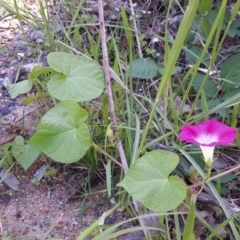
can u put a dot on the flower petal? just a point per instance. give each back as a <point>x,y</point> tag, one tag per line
<point>207,153</point>
<point>208,133</point>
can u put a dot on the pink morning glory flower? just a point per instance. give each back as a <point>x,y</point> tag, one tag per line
<point>207,135</point>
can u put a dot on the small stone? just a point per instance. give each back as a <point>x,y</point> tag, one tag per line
<point>29,53</point>
<point>34,223</point>
<point>14,61</point>
<point>39,41</point>
<point>4,111</point>
<point>96,212</point>
<point>6,81</point>
<point>74,222</point>
<point>5,93</point>
<point>12,104</point>
<point>111,218</point>
<point>23,48</point>
<point>19,37</point>
<point>45,223</point>
<point>28,67</point>
<point>4,198</point>
<point>48,194</point>
<point>10,37</point>
<point>3,71</point>
<point>11,109</point>
<point>20,56</point>
<point>5,64</point>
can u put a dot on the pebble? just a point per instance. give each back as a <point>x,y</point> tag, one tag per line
<point>23,48</point>
<point>39,41</point>
<point>96,212</point>
<point>12,104</point>
<point>34,224</point>
<point>45,223</point>
<point>5,93</point>
<point>5,64</point>
<point>4,198</point>
<point>19,37</point>
<point>4,111</point>
<point>111,218</point>
<point>48,194</point>
<point>14,61</point>
<point>5,81</point>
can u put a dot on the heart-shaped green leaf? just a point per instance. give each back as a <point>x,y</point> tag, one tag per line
<point>230,93</point>
<point>78,78</point>
<point>25,154</point>
<point>194,52</point>
<point>62,133</point>
<point>176,69</point>
<point>148,181</point>
<point>234,28</point>
<point>205,6</point>
<point>230,72</point>
<point>143,68</point>
<point>43,72</point>
<point>19,88</point>
<point>209,88</point>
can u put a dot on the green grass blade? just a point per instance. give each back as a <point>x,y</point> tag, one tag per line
<point>189,225</point>
<point>214,191</point>
<point>215,26</point>
<point>136,139</point>
<point>173,56</point>
<point>222,225</point>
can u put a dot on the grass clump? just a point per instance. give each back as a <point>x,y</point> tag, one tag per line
<point>155,83</point>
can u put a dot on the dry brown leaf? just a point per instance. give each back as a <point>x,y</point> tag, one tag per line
<point>9,178</point>
<point>7,139</point>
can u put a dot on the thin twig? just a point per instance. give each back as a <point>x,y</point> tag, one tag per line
<point>1,229</point>
<point>108,155</point>
<point>52,227</point>
<point>214,177</point>
<point>6,16</point>
<point>106,70</point>
<point>113,118</point>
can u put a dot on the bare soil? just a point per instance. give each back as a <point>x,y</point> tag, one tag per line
<point>57,206</point>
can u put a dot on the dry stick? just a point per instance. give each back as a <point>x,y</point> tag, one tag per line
<point>214,177</point>
<point>106,70</point>
<point>54,225</point>
<point>6,16</point>
<point>1,229</point>
<point>113,118</point>
<point>108,155</point>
